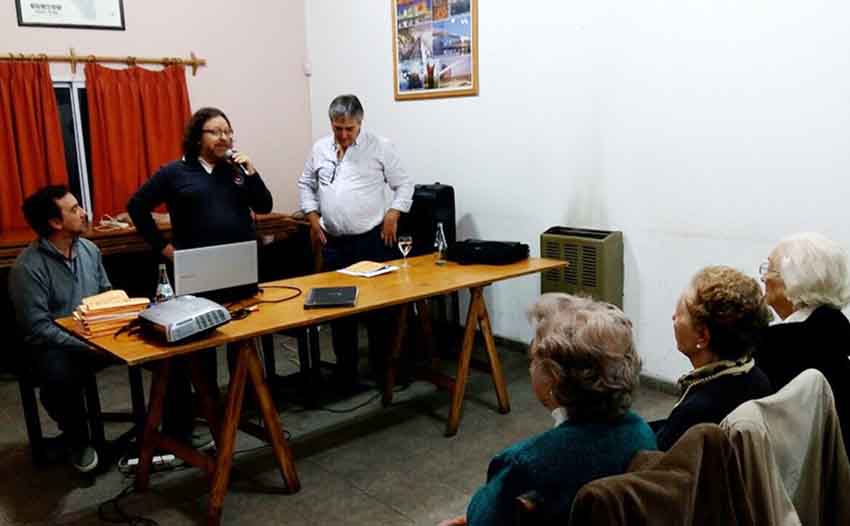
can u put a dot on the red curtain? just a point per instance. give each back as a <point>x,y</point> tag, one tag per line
<point>32,152</point>
<point>136,120</point>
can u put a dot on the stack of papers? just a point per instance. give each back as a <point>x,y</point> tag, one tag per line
<point>367,269</point>
<point>106,313</point>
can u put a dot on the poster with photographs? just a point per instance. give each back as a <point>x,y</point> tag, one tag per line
<point>435,48</point>
<point>82,14</point>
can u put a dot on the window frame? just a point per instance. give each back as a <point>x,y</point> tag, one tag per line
<point>75,86</point>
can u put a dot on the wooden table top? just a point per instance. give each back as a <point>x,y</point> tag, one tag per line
<point>423,279</point>
<point>129,241</point>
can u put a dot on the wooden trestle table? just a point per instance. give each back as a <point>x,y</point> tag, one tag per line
<point>413,285</point>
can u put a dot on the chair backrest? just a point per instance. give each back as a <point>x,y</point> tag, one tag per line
<point>20,354</point>
<point>697,482</point>
<point>791,442</point>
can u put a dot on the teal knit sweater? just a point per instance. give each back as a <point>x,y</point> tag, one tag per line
<point>556,464</point>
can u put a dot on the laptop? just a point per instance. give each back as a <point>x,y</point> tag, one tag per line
<point>222,273</point>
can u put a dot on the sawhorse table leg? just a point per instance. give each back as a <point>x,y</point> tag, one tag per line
<point>477,316</point>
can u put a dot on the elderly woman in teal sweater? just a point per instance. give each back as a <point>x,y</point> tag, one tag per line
<point>584,369</point>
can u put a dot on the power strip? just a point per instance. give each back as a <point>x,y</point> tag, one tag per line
<point>158,460</point>
<point>158,463</point>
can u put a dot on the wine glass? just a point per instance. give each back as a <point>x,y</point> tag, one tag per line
<point>405,245</point>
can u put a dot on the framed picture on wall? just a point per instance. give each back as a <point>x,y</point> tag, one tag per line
<point>82,14</point>
<point>435,48</point>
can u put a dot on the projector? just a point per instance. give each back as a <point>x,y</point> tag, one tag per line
<point>184,316</point>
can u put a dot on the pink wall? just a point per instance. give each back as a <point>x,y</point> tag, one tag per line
<point>255,52</point>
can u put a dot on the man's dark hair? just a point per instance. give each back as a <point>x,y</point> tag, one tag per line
<point>41,207</point>
<point>195,129</point>
<point>346,106</point>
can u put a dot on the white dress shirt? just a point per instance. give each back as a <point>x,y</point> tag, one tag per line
<point>351,194</point>
<point>206,166</point>
<point>798,315</point>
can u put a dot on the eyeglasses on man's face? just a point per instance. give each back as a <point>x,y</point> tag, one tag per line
<point>219,133</point>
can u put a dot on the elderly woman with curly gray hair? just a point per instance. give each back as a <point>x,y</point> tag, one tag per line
<point>807,283</point>
<point>717,323</point>
<point>584,369</point>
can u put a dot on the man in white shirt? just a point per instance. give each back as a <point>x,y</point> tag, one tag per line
<point>344,192</point>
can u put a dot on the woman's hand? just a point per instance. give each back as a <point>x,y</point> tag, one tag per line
<point>457,521</point>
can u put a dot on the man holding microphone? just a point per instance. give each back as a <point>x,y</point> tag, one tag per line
<point>210,194</point>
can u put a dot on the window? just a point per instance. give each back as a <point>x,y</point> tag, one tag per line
<point>74,121</point>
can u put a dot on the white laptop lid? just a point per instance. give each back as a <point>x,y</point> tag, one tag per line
<point>216,267</point>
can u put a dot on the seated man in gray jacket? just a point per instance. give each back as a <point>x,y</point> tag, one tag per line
<point>49,280</point>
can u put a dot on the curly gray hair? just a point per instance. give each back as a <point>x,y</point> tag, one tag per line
<point>587,348</point>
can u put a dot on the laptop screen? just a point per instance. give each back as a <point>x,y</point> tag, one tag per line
<point>215,268</point>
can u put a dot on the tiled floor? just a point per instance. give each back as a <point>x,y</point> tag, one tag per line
<point>372,466</point>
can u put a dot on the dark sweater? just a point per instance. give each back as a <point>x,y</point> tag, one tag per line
<point>206,209</point>
<point>710,402</point>
<point>820,342</point>
<point>556,464</point>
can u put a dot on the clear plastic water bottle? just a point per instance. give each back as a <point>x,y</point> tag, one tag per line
<point>441,245</point>
<point>164,292</point>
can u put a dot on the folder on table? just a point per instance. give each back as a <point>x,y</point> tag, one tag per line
<point>331,297</point>
<point>367,269</point>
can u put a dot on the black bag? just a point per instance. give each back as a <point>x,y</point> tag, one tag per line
<point>487,252</point>
<point>432,204</point>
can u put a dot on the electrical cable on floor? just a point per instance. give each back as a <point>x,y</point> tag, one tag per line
<point>120,516</point>
<point>350,409</point>
<point>396,389</point>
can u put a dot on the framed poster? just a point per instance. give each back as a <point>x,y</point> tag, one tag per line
<point>82,14</point>
<point>435,48</point>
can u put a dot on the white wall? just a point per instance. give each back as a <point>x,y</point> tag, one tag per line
<point>255,53</point>
<point>704,129</point>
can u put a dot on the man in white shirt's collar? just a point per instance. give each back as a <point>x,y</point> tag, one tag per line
<point>346,129</point>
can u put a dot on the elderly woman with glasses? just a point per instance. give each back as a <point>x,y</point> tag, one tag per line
<point>717,323</point>
<point>807,283</point>
<point>584,369</point>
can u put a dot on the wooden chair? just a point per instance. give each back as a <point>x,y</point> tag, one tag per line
<point>39,446</point>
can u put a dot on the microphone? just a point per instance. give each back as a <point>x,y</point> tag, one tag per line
<point>238,178</point>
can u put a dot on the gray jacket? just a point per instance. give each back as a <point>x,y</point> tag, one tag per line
<point>43,286</point>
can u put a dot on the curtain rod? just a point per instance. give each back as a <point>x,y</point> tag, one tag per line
<point>75,59</point>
